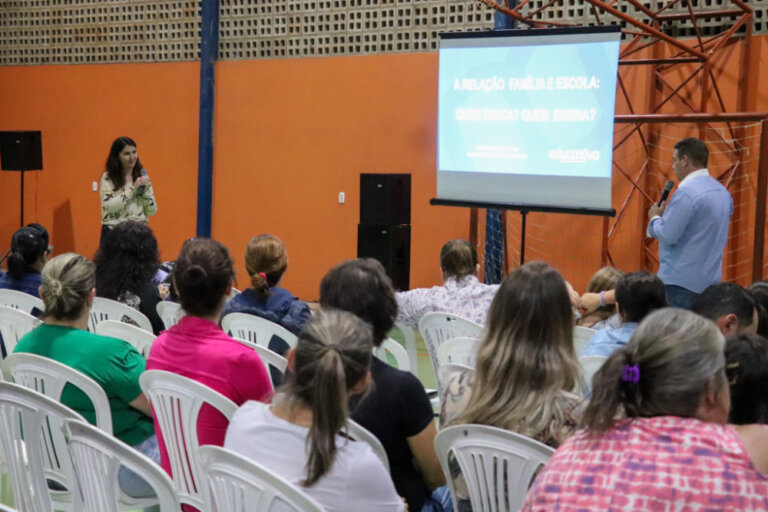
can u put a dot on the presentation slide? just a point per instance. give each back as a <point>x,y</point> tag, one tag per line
<point>526,116</point>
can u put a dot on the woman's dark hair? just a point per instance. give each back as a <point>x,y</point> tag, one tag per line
<point>458,259</point>
<point>28,245</point>
<point>759,290</point>
<point>113,168</point>
<point>362,287</point>
<point>672,359</point>
<point>746,366</point>
<point>265,261</point>
<point>202,276</point>
<point>639,293</point>
<point>332,354</point>
<point>126,260</point>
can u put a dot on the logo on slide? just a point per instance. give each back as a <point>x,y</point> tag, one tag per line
<point>574,156</point>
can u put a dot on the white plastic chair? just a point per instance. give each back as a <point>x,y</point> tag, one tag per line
<point>437,328</point>
<point>268,358</point>
<point>140,339</point>
<point>234,292</point>
<point>496,464</point>
<point>461,351</point>
<point>107,309</point>
<point>237,484</point>
<point>176,403</point>
<point>589,367</point>
<point>3,508</point>
<point>398,352</point>
<point>28,415</point>
<point>409,340</point>
<point>256,329</point>
<point>97,458</point>
<point>14,324</point>
<point>169,312</point>
<point>581,337</point>
<point>20,300</point>
<point>49,377</point>
<point>446,370</point>
<point>363,435</point>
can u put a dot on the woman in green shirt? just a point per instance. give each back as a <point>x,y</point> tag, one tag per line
<point>67,291</point>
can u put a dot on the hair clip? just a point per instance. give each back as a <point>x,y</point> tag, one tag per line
<point>262,274</point>
<point>631,373</point>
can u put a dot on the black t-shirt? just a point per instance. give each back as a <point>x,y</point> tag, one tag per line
<point>149,297</point>
<point>396,409</point>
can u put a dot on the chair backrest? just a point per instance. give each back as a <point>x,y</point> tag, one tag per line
<point>581,337</point>
<point>234,292</point>
<point>176,403</point>
<point>49,377</point>
<point>458,351</point>
<point>14,324</point>
<point>363,435</point>
<point>139,338</point>
<point>397,351</point>
<point>237,484</point>
<point>409,340</point>
<point>97,458</point>
<point>37,419</point>
<point>20,300</point>
<point>589,367</point>
<point>256,329</point>
<point>496,464</point>
<point>107,309</point>
<point>268,357</point>
<point>446,370</point>
<point>437,328</point>
<point>169,312</point>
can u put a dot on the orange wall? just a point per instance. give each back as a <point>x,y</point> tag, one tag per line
<point>289,136</point>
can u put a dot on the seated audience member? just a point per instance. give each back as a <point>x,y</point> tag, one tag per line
<point>67,291</point>
<point>731,307</point>
<point>530,321</point>
<point>656,435</point>
<point>266,261</point>
<point>29,252</point>
<point>746,366</point>
<point>604,316</point>
<point>198,349</point>
<point>297,436</point>
<point>637,294</point>
<point>461,293</point>
<point>759,290</point>
<point>397,411</point>
<point>126,265</point>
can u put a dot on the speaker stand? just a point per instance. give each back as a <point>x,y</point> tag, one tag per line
<point>21,213</point>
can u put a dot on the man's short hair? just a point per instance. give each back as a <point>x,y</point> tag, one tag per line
<point>695,150</point>
<point>458,258</point>
<point>639,293</point>
<point>721,299</point>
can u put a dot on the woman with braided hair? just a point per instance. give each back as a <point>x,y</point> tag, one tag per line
<point>656,436</point>
<point>299,436</point>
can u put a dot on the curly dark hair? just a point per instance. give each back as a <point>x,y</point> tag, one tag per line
<point>127,259</point>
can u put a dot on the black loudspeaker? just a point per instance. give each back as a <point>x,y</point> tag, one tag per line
<point>21,151</point>
<point>385,199</point>
<point>391,245</point>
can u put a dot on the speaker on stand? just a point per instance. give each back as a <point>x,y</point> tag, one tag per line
<point>21,151</point>
<point>384,232</point>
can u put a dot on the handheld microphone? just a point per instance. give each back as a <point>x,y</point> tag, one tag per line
<point>667,190</point>
<point>141,189</point>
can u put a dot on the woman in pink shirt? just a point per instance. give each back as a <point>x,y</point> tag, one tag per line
<point>199,349</point>
<point>656,436</point>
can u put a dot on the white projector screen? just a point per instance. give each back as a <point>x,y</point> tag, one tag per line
<point>525,117</point>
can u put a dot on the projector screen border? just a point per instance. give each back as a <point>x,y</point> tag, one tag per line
<point>518,32</point>
<point>599,212</point>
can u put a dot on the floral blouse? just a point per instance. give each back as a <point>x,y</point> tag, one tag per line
<point>125,203</point>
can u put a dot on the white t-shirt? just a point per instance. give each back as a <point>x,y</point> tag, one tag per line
<point>357,481</point>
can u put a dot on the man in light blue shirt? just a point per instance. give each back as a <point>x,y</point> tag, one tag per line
<point>637,294</point>
<point>693,228</point>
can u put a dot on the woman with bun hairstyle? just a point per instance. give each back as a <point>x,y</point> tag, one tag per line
<point>29,253</point>
<point>126,192</point>
<point>197,348</point>
<point>656,433</point>
<point>266,261</point>
<point>300,437</point>
<point>67,291</point>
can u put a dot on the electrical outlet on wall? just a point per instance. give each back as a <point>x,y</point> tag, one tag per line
<point>342,197</point>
